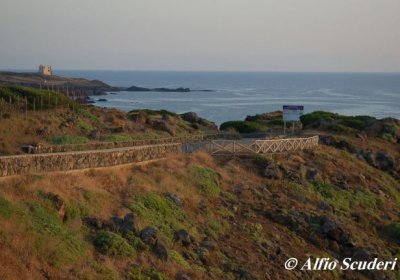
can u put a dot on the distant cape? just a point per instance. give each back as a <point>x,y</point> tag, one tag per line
<point>180,89</point>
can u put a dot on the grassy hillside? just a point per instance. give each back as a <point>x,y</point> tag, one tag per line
<point>199,217</point>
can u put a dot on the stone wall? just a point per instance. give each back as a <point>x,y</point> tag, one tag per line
<point>22,164</point>
<point>120,144</point>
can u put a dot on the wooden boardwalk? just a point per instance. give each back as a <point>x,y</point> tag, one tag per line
<point>249,147</point>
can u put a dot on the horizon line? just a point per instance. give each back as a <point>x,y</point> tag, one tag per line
<point>212,71</point>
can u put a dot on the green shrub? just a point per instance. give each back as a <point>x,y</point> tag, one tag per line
<point>68,139</point>
<point>241,126</point>
<point>45,224</point>
<point>344,201</point>
<point>261,160</point>
<point>115,138</point>
<point>161,212</point>
<point>394,230</point>
<point>8,209</point>
<point>206,180</point>
<point>138,273</point>
<point>214,228</point>
<point>84,126</point>
<point>178,259</point>
<point>356,122</point>
<point>114,245</point>
<point>86,114</point>
<point>135,241</point>
<point>277,122</point>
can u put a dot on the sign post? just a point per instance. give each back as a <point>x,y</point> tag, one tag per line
<point>291,114</point>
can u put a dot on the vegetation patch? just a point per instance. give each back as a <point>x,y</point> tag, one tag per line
<point>68,139</point>
<point>356,122</point>
<point>161,212</point>
<point>242,126</point>
<point>84,126</point>
<point>344,201</point>
<point>138,273</point>
<point>178,259</point>
<point>206,180</point>
<point>40,99</point>
<point>114,245</point>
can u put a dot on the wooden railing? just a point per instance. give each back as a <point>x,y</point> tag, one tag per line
<point>243,147</point>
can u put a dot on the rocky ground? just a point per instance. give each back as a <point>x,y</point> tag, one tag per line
<point>202,217</point>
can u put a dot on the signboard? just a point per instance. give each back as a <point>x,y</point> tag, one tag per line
<point>292,113</point>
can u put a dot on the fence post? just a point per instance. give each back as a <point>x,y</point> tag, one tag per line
<point>48,108</point>
<point>26,107</point>
<point>34,106</point>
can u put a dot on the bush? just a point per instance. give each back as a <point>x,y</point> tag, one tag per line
<point>68,139</point>
<point>161,212</point>
<point>261,160</point>
<point>44,223</point>
<point>114,245</point>
<point>206,179</point>
<point>242,126</point>
<point>277,122</point>
<point>393,230</point>
<point>178,259</point>
<point>84,126</point>
<point>356,122</point>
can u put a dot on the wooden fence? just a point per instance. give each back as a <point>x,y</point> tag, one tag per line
<point>249,147</point>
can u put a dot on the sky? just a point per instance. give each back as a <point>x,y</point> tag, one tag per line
<point>202,35</point>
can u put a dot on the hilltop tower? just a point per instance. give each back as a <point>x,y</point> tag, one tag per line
<point>45,69</point>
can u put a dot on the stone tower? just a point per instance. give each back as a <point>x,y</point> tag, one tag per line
<point>45,69</point>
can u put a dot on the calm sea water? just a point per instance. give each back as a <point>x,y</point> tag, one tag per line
<point>238,94</point>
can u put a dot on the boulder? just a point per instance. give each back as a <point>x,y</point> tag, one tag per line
<point>75,224</point>
<point>194,126</point>
<point>94,134</point>
<point>160,250</point>
<point>365,254</point>
<point>128,223</point>
<point>209,244</point>
<point>327,140</point>
<point>191,117</point>
<point>140,118</point>
<point>168,118</point>
<point>183,237</point>
<point>164,126</point>
<point>117,221</point>
<point>93,223</point>
<point>303,172</point>
<point>175,198</point>
<point>202,253</point>
<point>369,157</point>
<point>332,229</point>
<point>324,206</point>
<point>384,161</point>
<point>313,175</point>
<point>149,235</point>
<point>273,172</point>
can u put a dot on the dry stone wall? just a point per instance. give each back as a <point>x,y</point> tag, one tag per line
<point>23,164</point>
<point>132,143</point>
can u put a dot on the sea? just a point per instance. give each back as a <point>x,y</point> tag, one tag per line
<point>224,96</point>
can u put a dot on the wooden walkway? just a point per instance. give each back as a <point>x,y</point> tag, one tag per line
<point>249,147</point>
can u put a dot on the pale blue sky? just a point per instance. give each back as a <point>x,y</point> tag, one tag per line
<point>232,35</point>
